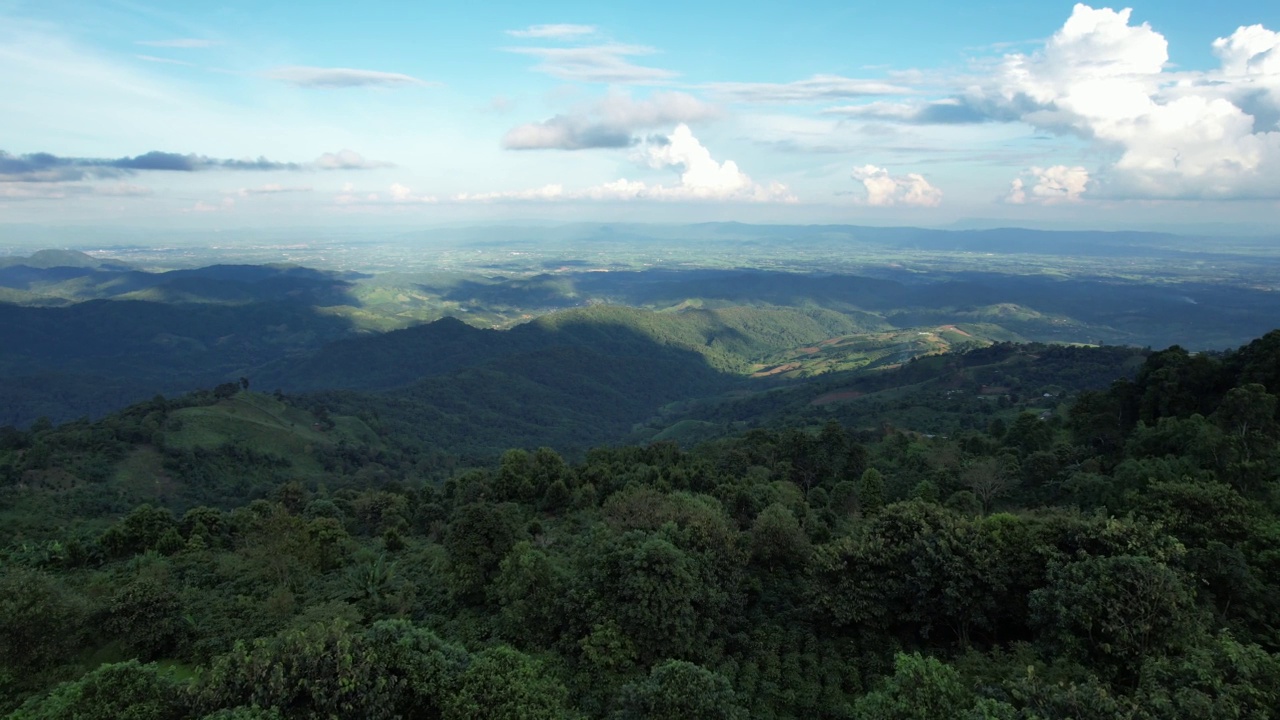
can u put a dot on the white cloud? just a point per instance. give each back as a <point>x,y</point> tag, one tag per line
<point>701,178</point>
<point>1163,134</point>
<point>597,64</point>
<point>271,189</point>
<point>818,88</point>
<point>547,192</point>
<point>1170,137</point>
<point>1250,51</point>
<point>609,123</point>
<point>884,189</point>
<point>701,175</point>
<point>348,160</point>
<point>1017,192</point>
<point>556,30</point>
<point>403,194</point>
<point>1251,70</point>
<point>338,78</point>
<point>397,194</point>
<point>1049,185</point>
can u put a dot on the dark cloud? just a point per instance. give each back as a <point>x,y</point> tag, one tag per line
<point>951,114</point>
<point>614,121</point>
<point>156,160</point>
<point>960,110</point>
<point>45,167</point>
<point>567,133</point>
<point>260,164</point>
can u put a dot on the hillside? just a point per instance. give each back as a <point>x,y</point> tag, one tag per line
<point>232,554</point>
<point>88,335</point>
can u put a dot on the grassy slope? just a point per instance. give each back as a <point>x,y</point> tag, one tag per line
<point>262,423</point>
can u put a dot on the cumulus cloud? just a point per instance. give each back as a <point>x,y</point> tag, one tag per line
<point>1104,79</point>
<point>819,88</point>
<point>555,30</point>
<point>348,160</point>
<point>340,78</point>
<point>45,167</point>
<point>609,123</point>
<point>404,194</point>
<point>1049,185</point>
<point>1163,134</point>
<point>597,64</point>
<point>884,189</point>
<point>701,177</point>
<point>1250,60</point>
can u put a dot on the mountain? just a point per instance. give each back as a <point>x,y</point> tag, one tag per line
<point>92,357</point>
<point>234,554</point>
<point>50,259</point>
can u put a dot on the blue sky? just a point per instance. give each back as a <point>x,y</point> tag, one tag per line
<point>226,114</point>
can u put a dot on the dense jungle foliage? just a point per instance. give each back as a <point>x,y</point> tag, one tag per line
<point>1116,560</point>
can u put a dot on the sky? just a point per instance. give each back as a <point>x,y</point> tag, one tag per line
<point>230,113</point>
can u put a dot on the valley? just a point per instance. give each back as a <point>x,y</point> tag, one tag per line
<point>816,483</point>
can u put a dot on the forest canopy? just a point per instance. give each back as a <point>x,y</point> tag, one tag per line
<point>1115,560</point>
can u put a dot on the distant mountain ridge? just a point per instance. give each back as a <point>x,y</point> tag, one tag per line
<point>50,258</point>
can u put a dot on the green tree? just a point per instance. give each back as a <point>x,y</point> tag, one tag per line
<point>425,668</point>
<point>476,540</point>
<point>778,541</point>
<point>147,617</point>
<point>138,531</point>
<point>41,621</point>
<point>1218,678</point>
<point>925,688</point>
<point>1114,612</point>
<point>244,713</point>
<point>119,691</point>
<point>1028,434</point>
<point>505,684</point>
<point>652,591</point>
<point>530,588</point>
<point>679,690</point>
<point>325,670</point>
<point>871,491</point>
